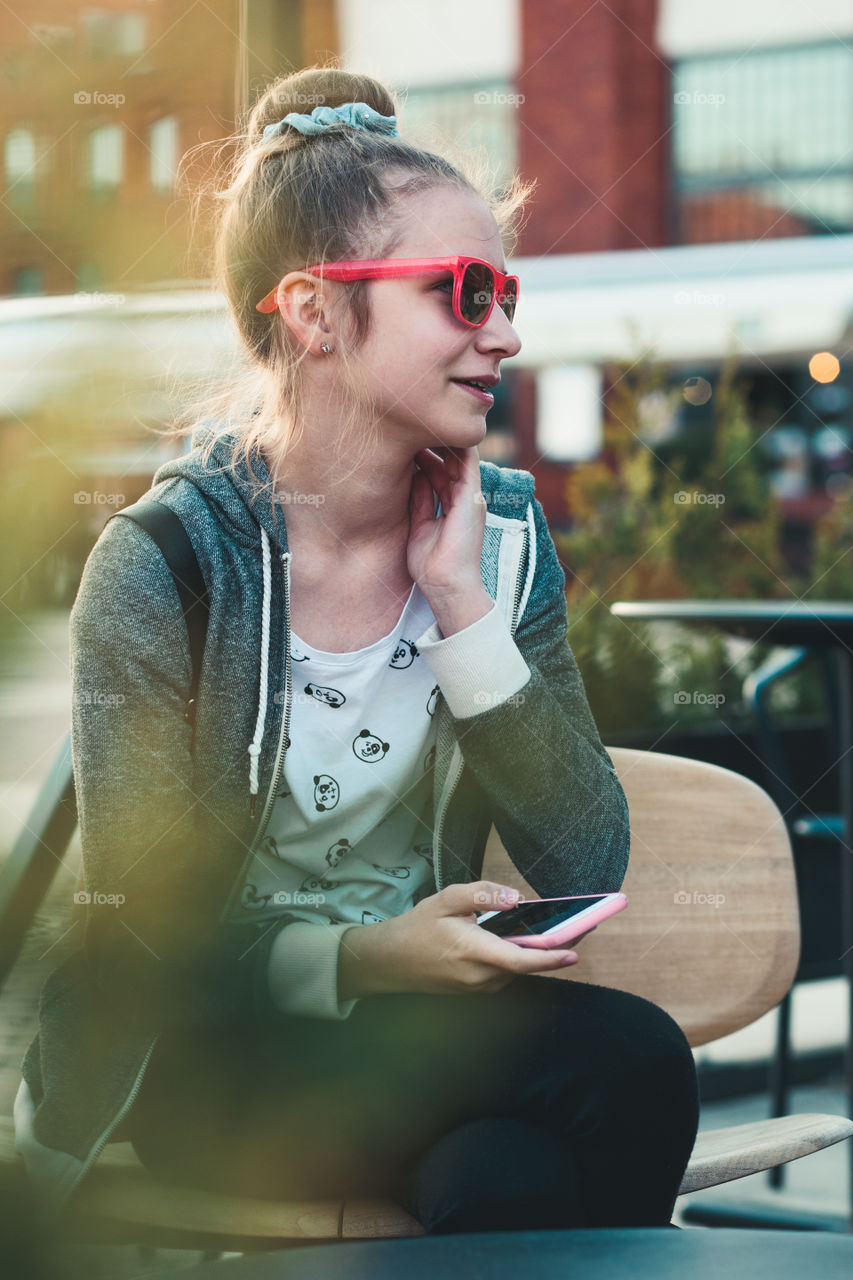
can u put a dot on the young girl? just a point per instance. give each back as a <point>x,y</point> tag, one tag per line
<point>282,990</point>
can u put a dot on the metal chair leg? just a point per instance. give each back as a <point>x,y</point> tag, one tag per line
<point>780,1077</point>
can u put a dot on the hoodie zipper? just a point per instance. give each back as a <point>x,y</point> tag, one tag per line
<point>451,782</point>
<point>285,722</point>
<point>281,750</point>
<point>128,1103</point>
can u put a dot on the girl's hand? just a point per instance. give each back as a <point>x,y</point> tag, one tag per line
<point>438,947</point>
<point>443,555</point>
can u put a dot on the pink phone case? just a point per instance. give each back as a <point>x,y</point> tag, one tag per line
<point>563,933</point>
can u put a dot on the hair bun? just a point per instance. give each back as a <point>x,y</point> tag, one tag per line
<point>314,87</point>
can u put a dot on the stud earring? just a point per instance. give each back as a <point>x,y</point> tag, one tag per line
<point>325,348</point>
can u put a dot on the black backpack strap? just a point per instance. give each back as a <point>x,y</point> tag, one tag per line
<point>167,530</point>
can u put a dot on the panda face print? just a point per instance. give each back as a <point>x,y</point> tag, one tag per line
<point>327,793</point>
<point>337,851</point>
<point>399,873</point>
<point>404,654</point>
<point>423,851</point>
<point>314,884</point>
<point>251,900</point>
<point>369,748</point>
<point>296,655</point>
<point>330,697</point>
<point>432,700</point>
<point>270,848</point>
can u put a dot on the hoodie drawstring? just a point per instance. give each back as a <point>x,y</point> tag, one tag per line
<point>255,746</point>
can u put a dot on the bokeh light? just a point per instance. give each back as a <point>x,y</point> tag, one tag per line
<point>697,391</point>
<point>824,366</point>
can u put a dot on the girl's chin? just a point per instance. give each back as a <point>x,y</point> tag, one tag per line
<point>464,436</point>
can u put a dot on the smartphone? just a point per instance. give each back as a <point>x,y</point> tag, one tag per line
<point>552,922</point>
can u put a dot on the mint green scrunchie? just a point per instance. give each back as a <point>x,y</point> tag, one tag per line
<point>357,114</point>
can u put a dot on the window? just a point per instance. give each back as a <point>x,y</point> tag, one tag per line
<point>106,157</point>
<point>110,35</point>
<point>763,143</point>
<point>476,114</point>
<point>27,281</point>
<point>90,277</point>
<point>164,153</point>
<point>569,414</point>
<point>19,158</point>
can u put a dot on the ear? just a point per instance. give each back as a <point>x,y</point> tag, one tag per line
<point>301,305</point>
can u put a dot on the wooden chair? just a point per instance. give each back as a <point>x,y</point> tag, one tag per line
<point>711,935</point>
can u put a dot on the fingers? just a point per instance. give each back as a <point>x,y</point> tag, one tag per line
<point>532,959</point>
<point>441,463</point>
<point>546,961</point>
<point>482,895</point>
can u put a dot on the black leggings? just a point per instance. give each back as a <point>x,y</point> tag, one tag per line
<point>550,1104</point>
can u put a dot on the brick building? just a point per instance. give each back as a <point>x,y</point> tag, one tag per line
<point>647,124</point>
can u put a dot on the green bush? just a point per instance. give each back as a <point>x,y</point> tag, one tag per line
<point>634,538</point>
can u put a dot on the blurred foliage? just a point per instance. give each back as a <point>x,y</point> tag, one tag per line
<point>52,507</point>
<point>694,525</point>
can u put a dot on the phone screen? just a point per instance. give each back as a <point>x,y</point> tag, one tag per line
<point>538,917</point>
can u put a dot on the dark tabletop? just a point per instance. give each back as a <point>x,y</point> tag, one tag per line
<point>796,622</point>
<point>657,1253</point>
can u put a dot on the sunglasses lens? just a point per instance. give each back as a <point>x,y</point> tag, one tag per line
<point>508,299</point>
<point>475,295</point>
<point>478,287</point>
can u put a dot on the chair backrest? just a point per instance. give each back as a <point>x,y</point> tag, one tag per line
<point>712,929</point>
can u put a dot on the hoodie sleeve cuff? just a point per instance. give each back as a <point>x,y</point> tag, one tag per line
<point>476,668</point>
<point>303,970</point>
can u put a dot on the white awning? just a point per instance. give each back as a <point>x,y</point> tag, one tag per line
<point>765,300</point>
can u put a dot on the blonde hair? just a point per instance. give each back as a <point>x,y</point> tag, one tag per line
<point>291,201</point>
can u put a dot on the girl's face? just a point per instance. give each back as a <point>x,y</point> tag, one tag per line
<point>417,346</point>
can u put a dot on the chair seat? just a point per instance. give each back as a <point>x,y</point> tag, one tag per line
<point>722,1155</point>
<point>119,1192</point>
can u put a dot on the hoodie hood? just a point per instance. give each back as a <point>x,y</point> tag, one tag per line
<point>245,503</point>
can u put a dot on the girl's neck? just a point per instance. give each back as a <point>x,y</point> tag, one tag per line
<point>368,511</point>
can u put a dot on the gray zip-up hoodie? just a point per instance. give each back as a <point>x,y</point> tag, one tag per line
<point>172,831</point>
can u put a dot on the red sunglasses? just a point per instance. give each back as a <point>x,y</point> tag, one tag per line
<point>477,285</point>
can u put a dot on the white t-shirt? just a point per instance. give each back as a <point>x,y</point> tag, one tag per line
<point>349,839</point>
